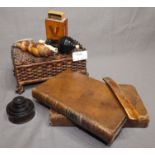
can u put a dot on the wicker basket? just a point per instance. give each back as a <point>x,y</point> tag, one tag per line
<point>29,69</point>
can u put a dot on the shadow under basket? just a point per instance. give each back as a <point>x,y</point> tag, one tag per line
<point>29,69</point>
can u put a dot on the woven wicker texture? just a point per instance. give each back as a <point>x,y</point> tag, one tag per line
<point>30,69</point>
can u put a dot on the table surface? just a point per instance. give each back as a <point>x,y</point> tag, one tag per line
<point>121,45</point>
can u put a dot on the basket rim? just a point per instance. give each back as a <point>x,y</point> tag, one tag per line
<point>42,63</point>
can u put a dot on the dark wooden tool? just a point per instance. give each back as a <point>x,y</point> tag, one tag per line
<point>20,110</point>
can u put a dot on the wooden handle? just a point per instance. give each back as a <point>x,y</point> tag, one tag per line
<point>129,109</point>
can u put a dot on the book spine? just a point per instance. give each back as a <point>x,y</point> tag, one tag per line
<point>58,119</point>
<point>85,123</point>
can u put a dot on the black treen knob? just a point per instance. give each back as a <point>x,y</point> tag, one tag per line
<point>20,110</point>
<point>66,45</point>
<point>52,42</point>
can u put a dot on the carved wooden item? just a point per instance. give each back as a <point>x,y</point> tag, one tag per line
<point>56,25</point>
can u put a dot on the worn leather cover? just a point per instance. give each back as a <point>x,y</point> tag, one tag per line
<point>87,102</point>
<point>57,119</point>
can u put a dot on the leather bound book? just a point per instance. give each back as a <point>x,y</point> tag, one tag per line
<point>130,92</point>
<point>93,105</point>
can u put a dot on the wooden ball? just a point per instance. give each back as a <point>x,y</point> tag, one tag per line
<point>18,44</point>
<point>30,46</point>
<point>35,51</point>
<point>24,45</point>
